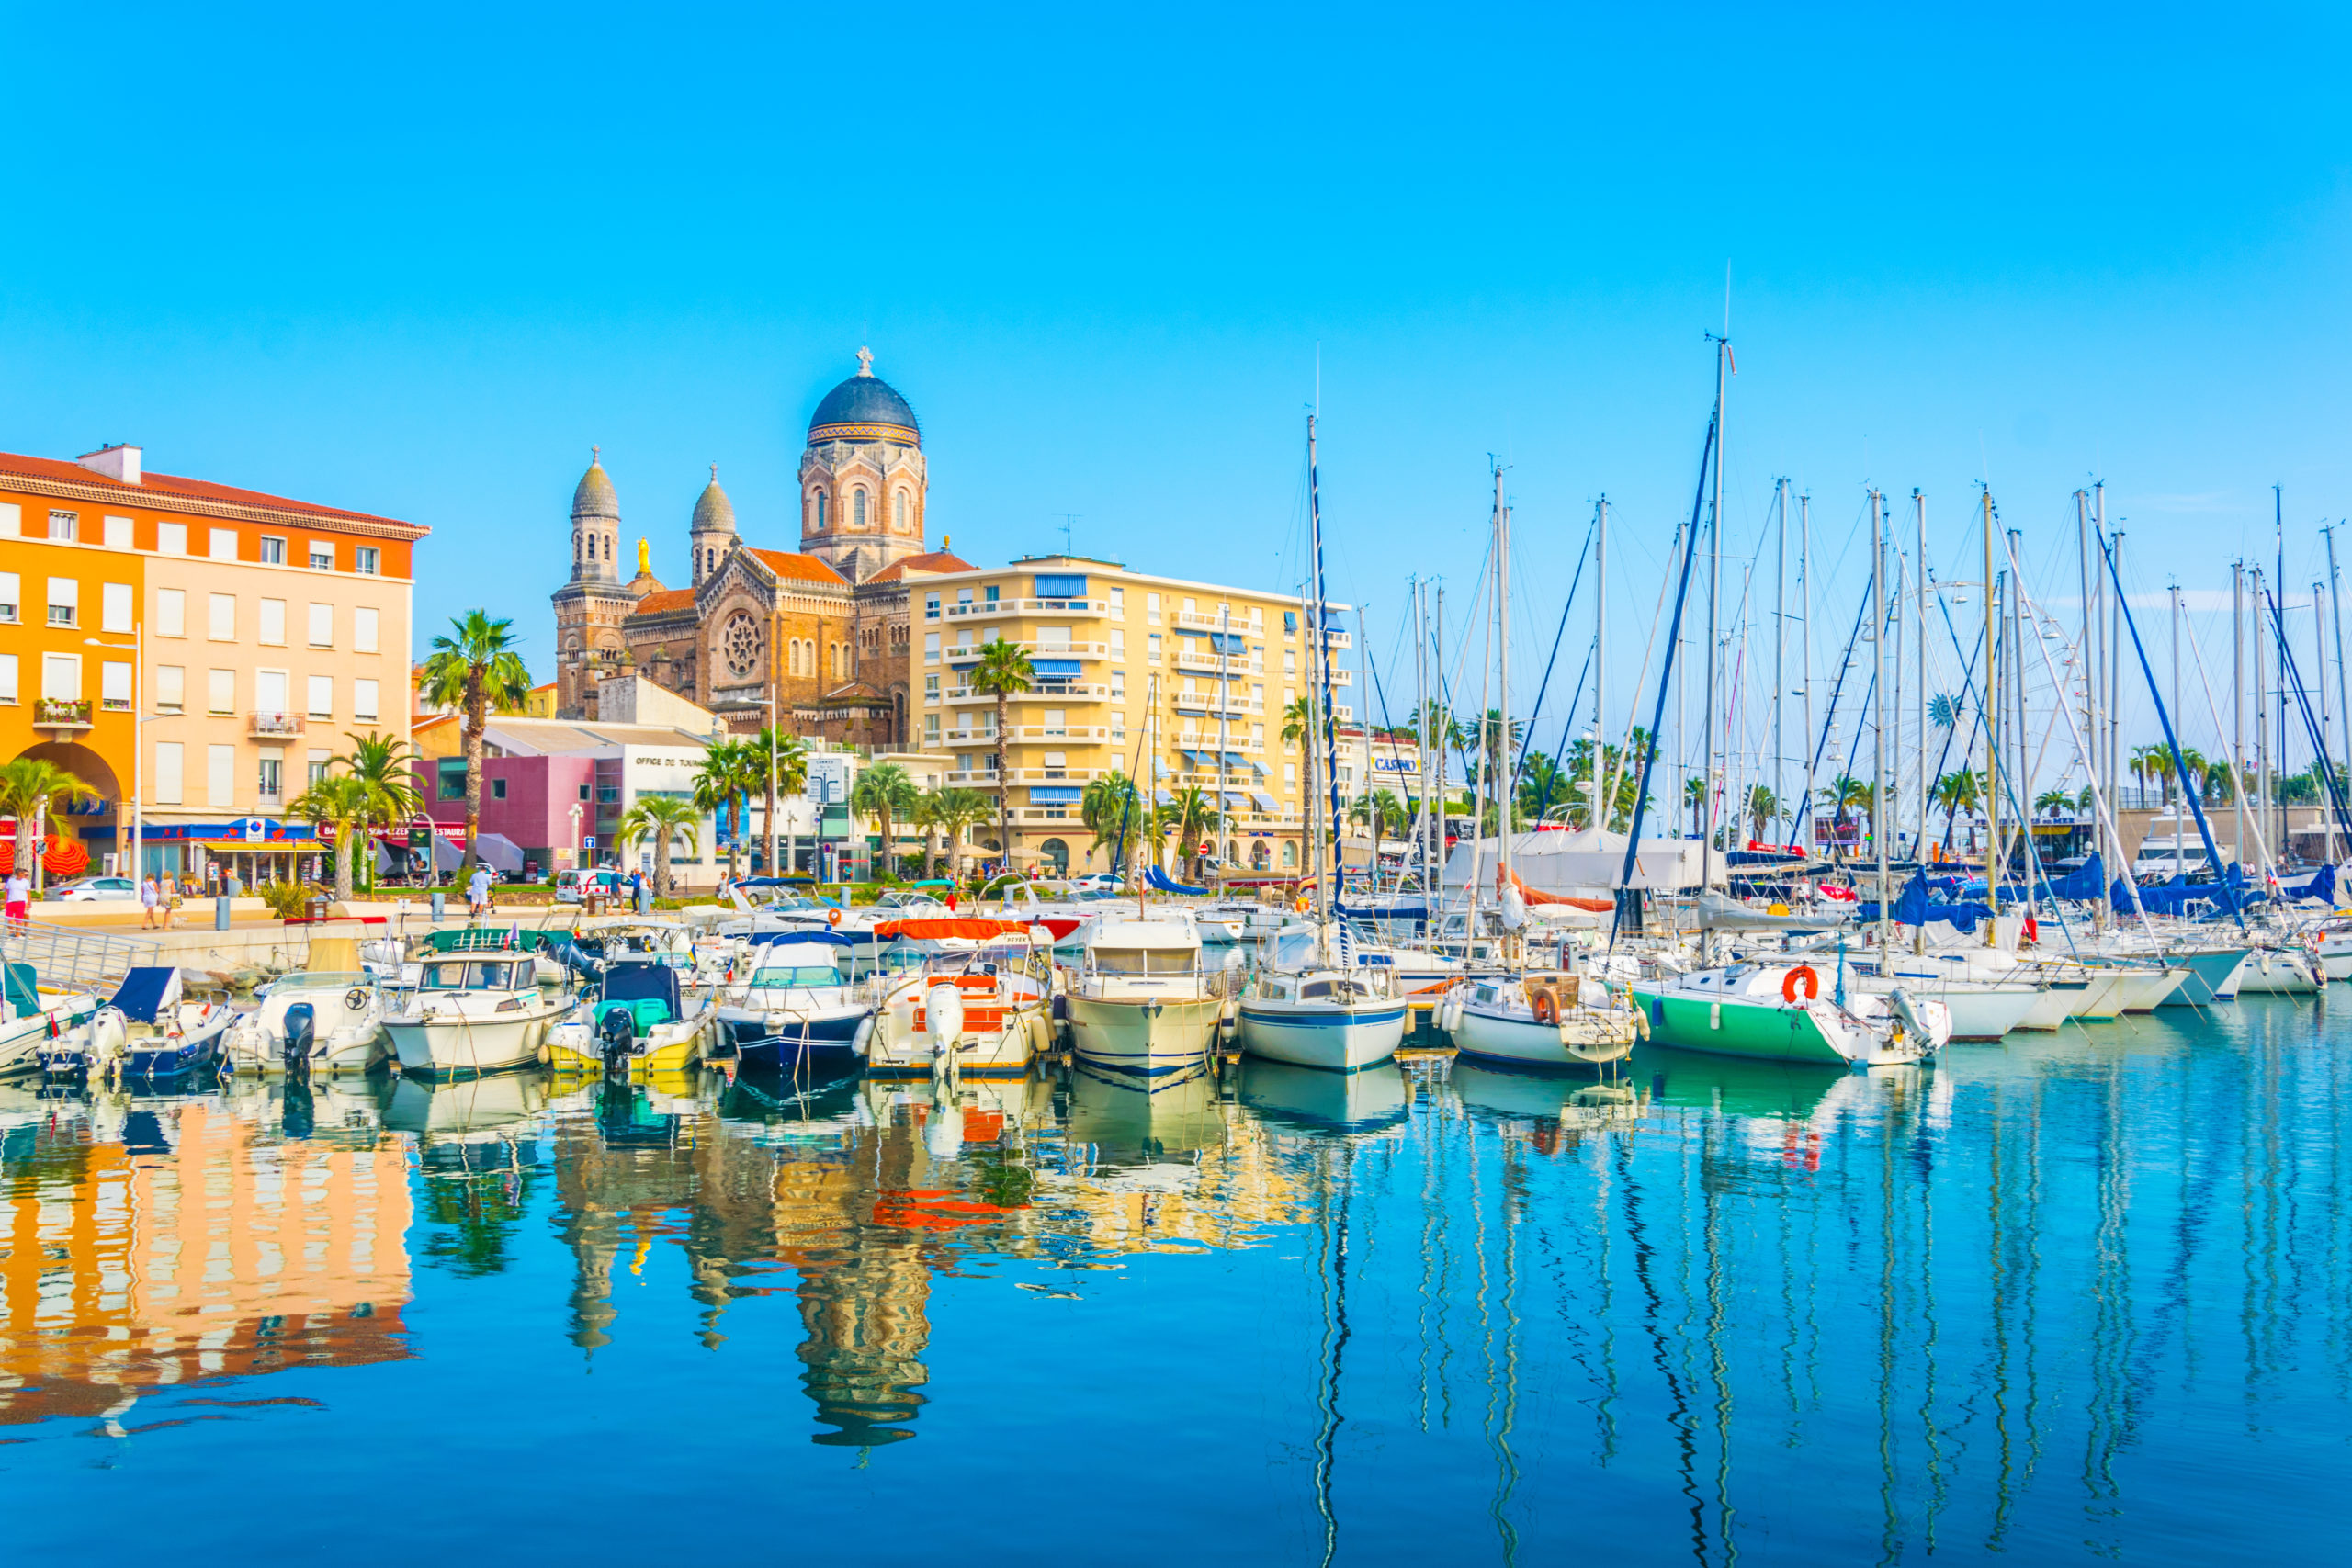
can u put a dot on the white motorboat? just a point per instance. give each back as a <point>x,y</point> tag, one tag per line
<point>33,1015</point>
<point>1981,1009</point>
<point>980,1008</point>
<point>1142,1000</point>
<point>148,1031</point>
<point>1544,1018</point>
<point>474,1013</point>
<point>339,1029</point>
<point>635,1022</point>
<point>1306,1010</point>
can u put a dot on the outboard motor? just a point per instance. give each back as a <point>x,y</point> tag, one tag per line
<point>616,1041</point>
<point>301,1027</point>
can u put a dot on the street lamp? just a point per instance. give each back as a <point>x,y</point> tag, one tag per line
<point>137,648</point>
<point>576,849</point>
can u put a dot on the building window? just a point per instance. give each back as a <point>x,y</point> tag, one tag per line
<point>931,645</point>
<point>64,601</point>
<point>450,780</point>
<point>1118,683</point>
<point>223,624</point>
<point>273,550</point>
<point>930,688</point>
<point>171,539</point>
<point>992,593</point>
<point>114,685</point>
<point>608,795</point>
<point>271,778</point>
<point>220,691</point>
<point>931,729</point>
<point>223,544</point>
<point>1290,662</point>
<point>1118,643</point>
<point>498,789</point>
<point>364,701</point>
<point>931,607</point>
<point>321,555</point>
<point>1290,623</point>
<point>321,696</point>
<point>1151,648</point>
<point>901,503</point>
<point>821,512</point>
<point>11,597</point>
<point>271,632</point>
<point>584,792</point>
<point>65,527</point>
<point>61,677</point>
<point>315,768</point>
<point>171,687</point>
<point>1151,608</point>
<point>117,533</point>
<point>365,559</point>
<point>322,626</point>
<point>857,510</point>
<point>170,612</point>
<point>114,607</point>
<point>363,623</point>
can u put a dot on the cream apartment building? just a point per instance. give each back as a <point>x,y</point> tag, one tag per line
<point>1174,684</point>
<point>266,631</point>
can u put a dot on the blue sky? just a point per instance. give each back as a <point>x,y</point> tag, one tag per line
<point>416,261</point>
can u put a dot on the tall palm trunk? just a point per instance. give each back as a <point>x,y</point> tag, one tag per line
<point>477,715</point>
<point>662,865</point>
<point>1003,815</point>
<point>348,837</point>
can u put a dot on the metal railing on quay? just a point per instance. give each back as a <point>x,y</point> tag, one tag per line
<point>70,956</point>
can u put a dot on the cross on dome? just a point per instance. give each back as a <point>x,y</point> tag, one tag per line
<point>865,361</point>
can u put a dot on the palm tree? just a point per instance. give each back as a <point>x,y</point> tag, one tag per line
<point>660,818</point>
<point>2052,802</point>
<point>1298,720</point>
<point>476,670</point>
<point>885,792</point>
<point>1853,794</point>
<point>960,810</point>
<point>730,770</point>
<point>1763,809</point>
<point>1003,671</point>
<point>344,803</point>
<point>1382,812</point>
<point>1695,795</point>
<point>2152,762</point>
<point>780,763</point>
<point>1542,785</point>
<point>385,765</point>
<point>1958,792</point>
<point>1112,811</point>
<point>29,785</point>
<point>925,816</point>
<point>1192,813</point>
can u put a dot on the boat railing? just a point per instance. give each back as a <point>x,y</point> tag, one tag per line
<point>70,956</point>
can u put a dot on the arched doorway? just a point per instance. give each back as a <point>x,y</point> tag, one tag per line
<point>1260,856</point>
<point>1290,857</point>
<point>1056,853</point>
<point>100,825</point>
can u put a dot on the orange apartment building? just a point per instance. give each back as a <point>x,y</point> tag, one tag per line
<point>201,649</point>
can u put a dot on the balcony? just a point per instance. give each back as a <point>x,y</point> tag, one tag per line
<point>1203,702</point>
<point>1073,693</point>
<point>59,713</point>
<point>978,778</point>
<point>274,726</point>
<point>1053,732</point>
<point>1208,621</point>
<point>1335,639</point>
<point>987,609</point>
<point>1237,664</point>
<point>957,653</point>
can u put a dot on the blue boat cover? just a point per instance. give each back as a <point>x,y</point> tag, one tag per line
<point>2321,887</point>
<point>2083,883</point>
<point>806,934</point>
<point>1160,882</point>
<point>145,990</point>
<point>1914,907</point>
<point>629,980</point>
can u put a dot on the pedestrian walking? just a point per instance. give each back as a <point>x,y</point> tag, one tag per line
<point>19,900</point>
<point>151,897</point>
<point>478,892</point>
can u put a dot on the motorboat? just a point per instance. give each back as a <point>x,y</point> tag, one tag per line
<point>149,1032</point>
<point>795,1002</point>
<point>1141,1001</point>
<point>1305,1009</point>
<point>477,1011</point>
<point>33,1015</point>
<point>1782,1011</point>
<point>636,1021</point>
<point>980,1008</point>
<point>325,1018</point>
<point>1548,1018</point>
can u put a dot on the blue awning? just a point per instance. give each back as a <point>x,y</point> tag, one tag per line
<point>1056,667</point>
<point>1235,801</point>
<point>1054,794</point>
<point>1235,760</point>
<point>1228,642</point>
<point>1165,798</point>
<point>1265,802</point>
<point>1064,586</point>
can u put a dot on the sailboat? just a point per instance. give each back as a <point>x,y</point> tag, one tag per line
<point>1311,1004</point>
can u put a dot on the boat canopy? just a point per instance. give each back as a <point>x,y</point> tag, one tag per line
<point>943,927</point>
<point>148,990</point>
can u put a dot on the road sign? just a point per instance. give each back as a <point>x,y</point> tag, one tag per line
<point>589,842</point>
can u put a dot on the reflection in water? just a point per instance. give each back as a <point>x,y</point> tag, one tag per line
<point>2030,1300</point>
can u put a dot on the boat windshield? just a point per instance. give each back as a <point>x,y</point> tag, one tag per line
<point>777,977</point>
<point>1144,961</point>
<point>451,975</point>
<point>321,980</point>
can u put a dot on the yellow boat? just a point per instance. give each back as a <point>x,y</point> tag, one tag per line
<point>634,1020</point>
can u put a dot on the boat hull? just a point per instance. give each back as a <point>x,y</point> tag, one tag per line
<point>1584,1036</point>
<point>829,1034</point>
<point>2210,976</point>
<point>456,1048</point>
<point>1814,1030</point>
<point>1336,1038</point>
<point>2277,972</point>
<point>1979,1013</point>
<point>1146,1034</point>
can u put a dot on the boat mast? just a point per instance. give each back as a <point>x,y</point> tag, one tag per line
<point>1992,708</point>
<point>2319,679</point>
<point>1319,667</point>
<point>1879,708</point>
<point>2336,614</point>
<point>1780,640</point>
<point>1598,814</point>
<point>2237,705</point>
<point>2258,643</point>
<point>2099,911</point>
<point>1224,676</point>
<point>2181,786</point>
<point>1433,755</point>
<point>1502,688</point>
<point>1715,614</point>
<point>1805,837</point>
<point>2018,730</point>
<point>1920,585</point>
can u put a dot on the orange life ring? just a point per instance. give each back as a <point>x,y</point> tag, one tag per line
<point>832,916</point>
<point>1803,973</point>
<point>1546,1006</point>
<point>1299,904</point>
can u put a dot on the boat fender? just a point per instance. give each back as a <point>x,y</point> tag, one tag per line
<point>1299,904</point>
<point>1803,976</point>
<point>301,1025</point>
<point>1641,1024</point>
<point>863,1038</point>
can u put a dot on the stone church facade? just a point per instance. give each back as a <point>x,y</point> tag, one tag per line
<point>828,628</point>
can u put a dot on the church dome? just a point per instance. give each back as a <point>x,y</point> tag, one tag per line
<point>864,408</point>
<point>594,497</point>
<point>713,511</point>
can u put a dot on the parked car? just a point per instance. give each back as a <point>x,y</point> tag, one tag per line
<point>89,889</point>
<point>570,887</point>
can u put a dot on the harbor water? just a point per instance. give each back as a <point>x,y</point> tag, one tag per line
<point>2083,1296</point>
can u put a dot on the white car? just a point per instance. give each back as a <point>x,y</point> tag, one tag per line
<point>89,890</point>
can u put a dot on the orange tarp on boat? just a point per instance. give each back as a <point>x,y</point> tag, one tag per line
<point>950,925</point>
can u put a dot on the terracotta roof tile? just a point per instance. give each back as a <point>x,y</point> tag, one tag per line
<point>665,600</point>
<point>936,562</point>
<point>791,563</point>
<point>162,487</point>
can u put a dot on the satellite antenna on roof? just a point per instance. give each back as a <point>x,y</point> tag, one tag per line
<point>1069,527</point>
